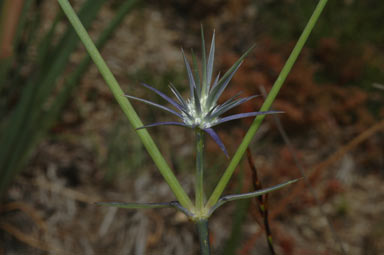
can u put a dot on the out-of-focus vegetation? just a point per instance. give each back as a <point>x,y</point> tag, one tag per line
<point>328,101</point>
<point>33,61</point>
<point>347,42</point>
<point>349,21</point>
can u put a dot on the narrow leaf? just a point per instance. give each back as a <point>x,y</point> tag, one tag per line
<point>228,198</point>
<point>184,107</point>
<point>217,140</point>
<point>244,115</point>
<point>228,76</point>
<point>266,105</point>
<point>214,85</point>
<point>196,72</point>
<point>231,99</point>
<point>220,87</point>
<point>177,95</point>
<point>213,109</point>
<point>204,61</point>
<point>156,105</point>
<point>192,84</point>
<point>233,67</point>
<point>210,62</point>
<point>196,99</point>
<point>126,106</point>
<point>162,95</point>
<point>228,105</point>
<point>165,123</point>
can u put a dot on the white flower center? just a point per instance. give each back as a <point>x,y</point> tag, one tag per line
<point>199,118</point>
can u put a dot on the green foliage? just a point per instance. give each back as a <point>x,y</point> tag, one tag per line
<point>214,198</point>
<point>126,106</point>
<point>40,102</point>
<point>214,201</point>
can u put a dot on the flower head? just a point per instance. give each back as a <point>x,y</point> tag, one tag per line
<point>201,110</point>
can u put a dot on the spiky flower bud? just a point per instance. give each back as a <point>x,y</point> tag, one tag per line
<point>201,110</point>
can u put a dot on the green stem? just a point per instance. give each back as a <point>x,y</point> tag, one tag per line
<point>199,188</point>
<point>202,230</point>
<point>126,106</point>
<point>266,106</point>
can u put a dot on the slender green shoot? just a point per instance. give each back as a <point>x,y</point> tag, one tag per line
<point>199,188</point>
<point>22,128</point>
<point>126,106</point>
<point>203,232</point>
<point>266,106</point>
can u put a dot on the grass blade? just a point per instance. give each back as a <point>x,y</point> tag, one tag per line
<point>126,107</point>
<point>266,105</point>
<point>155,105</point>
<point>17,140</point>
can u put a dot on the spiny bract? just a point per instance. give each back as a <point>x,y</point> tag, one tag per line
<point>201,110</point>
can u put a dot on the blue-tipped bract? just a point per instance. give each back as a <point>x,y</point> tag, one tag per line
<point>201,110</point>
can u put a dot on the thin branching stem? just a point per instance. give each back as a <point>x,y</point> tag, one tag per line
<point>202,230</point>
<point>126,106</point>
<point>266,106</point>
<point>199,188</point>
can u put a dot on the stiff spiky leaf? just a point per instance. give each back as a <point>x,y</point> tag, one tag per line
<point>201,109</point>
<point>256,193</point>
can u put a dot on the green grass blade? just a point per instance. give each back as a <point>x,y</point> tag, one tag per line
<point>45,45</point>
<point>5,64</point>
<point>22,21</point>
<point>46,120</point>
<point>266,105</point>
<point>16,140</point>
<point>127,107</point>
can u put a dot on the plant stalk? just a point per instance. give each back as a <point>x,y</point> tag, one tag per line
<point>126,106</point>
<point>202,230</point>
<point>199,188</point>
<point>266,106</point>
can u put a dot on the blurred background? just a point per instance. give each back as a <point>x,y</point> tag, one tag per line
<point>65,144</point>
